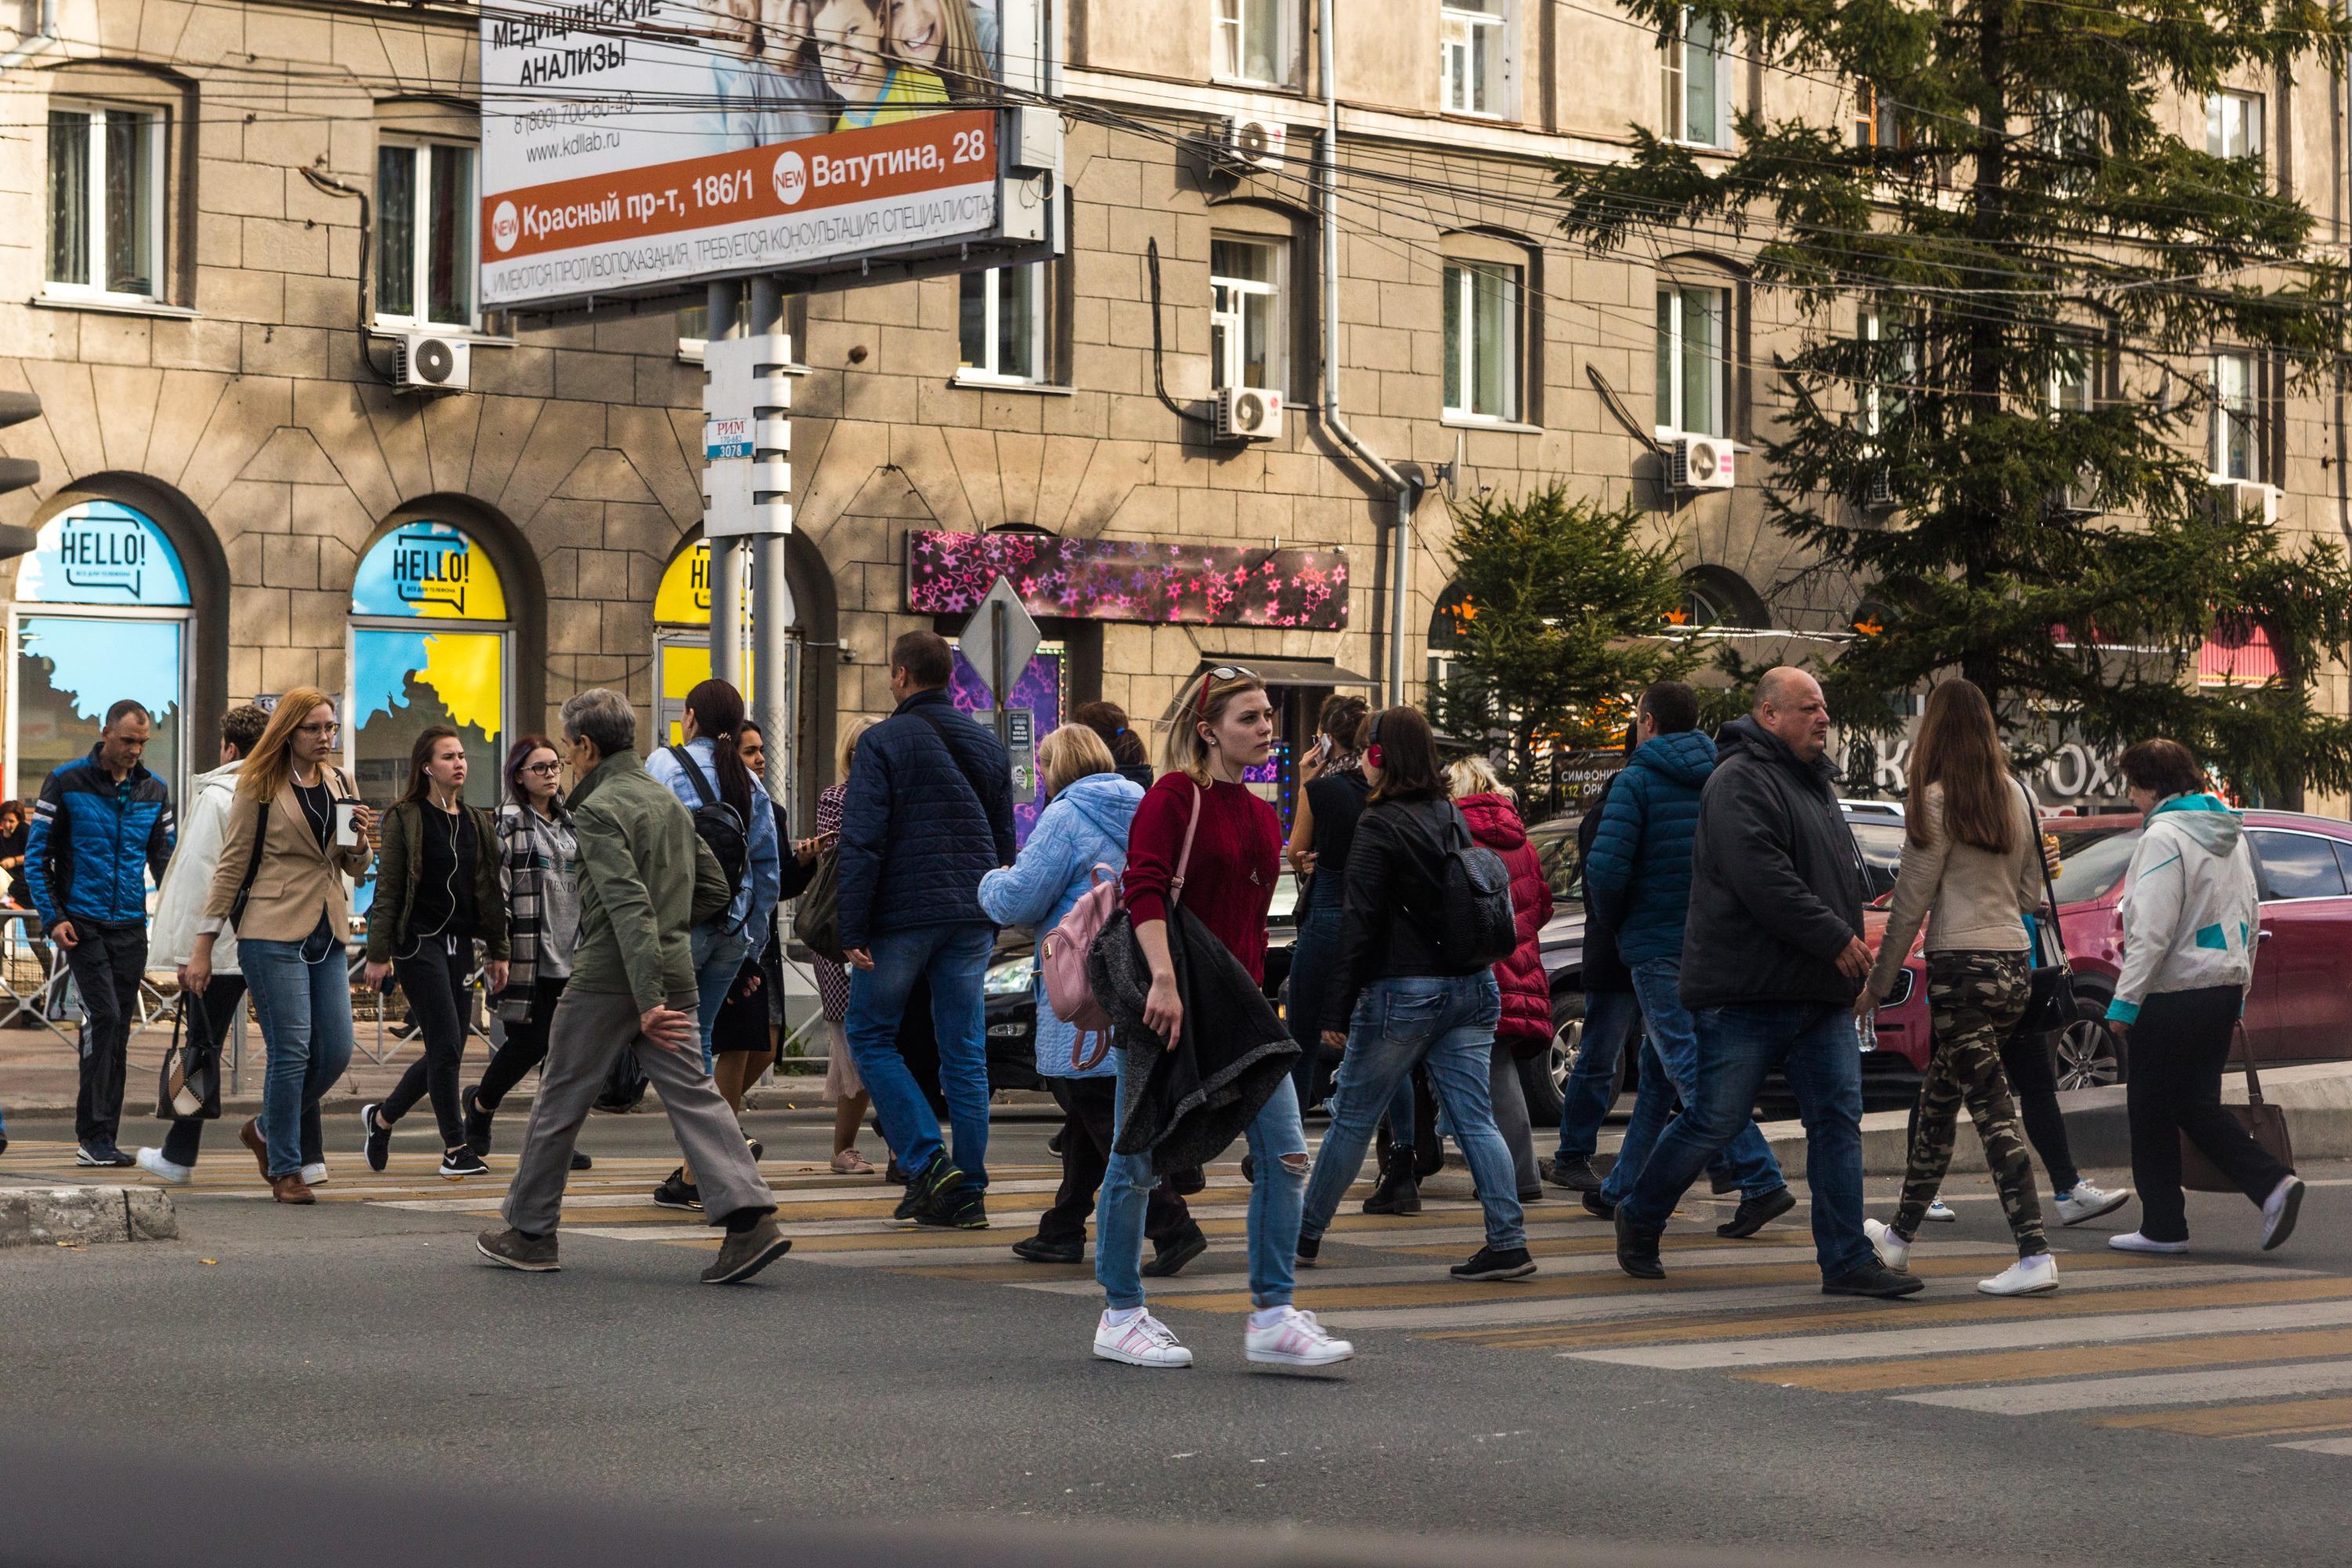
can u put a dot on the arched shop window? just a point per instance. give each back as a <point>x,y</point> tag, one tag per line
<point>101,612</point>
<point>682,635</point>
<point>430,640</point>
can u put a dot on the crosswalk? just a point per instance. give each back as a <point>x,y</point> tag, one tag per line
<point>2228,1345</point>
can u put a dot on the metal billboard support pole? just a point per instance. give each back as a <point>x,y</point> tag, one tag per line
<point>775,630</point>
<point>726,557</point>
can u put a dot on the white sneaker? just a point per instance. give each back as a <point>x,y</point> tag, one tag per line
<point>2025,1276</point>
<point>2087,1202</point>
<point>151,1161</point>
<point>2133,1241</point>
<point>1295,1339</point>
<point>2279,1211</point>
<point>1142,1340</point>
<point>1941,1212</point>
<point>315,1175</point>
<point>1892,1249</point>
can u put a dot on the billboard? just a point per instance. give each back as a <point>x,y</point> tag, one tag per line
<point>629,144</point>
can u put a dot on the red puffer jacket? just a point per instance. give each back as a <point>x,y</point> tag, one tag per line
<point>1526,998</point>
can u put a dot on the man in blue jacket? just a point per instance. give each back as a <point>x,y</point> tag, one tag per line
<point>927,814</point>
<point>1639,874</point>
<point>101,826</point>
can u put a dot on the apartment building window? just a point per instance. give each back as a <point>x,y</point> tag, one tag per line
<point>2233,125</point>
<point>1247,321</point>
<point>1002,324</point>
<point>1879,120</point>
<point>425,207</point>
<point>1481,340</point>
<point>2074,391</point>
<point>2237,419</point>
<point>106,202</point>
<point>1474,57</point>
<point>1894,370</point>
<point>1250,41</point>
<point>1693,361</point>
<point>1697,84</point>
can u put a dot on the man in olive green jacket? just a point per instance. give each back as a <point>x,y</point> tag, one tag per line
<point>645,879</point>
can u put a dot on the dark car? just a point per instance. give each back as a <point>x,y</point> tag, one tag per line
<point>1010,988</point>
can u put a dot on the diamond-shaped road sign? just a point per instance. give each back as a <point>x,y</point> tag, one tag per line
<point>1001,639</point>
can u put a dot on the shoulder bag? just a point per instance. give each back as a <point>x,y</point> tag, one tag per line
<point>252,867</point>
<point>816,912</point>
<point>2051,1005</point>
<point>2264,1123</point>
<point>189,1086</point>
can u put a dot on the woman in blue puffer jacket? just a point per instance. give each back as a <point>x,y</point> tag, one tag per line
<point>1085,824</point>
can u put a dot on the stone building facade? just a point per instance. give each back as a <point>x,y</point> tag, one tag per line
<point>211,324</point>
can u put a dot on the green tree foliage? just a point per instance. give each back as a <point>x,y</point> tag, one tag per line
<point>2023,228</point>
<point>1556,623</point>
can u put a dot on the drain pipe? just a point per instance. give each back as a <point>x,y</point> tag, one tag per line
<point>41,43</point>
<point>1406,492</point>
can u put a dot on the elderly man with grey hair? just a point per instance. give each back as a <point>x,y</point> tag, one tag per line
<point>646,880</point>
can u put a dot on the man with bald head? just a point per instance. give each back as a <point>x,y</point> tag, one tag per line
<point>1772,958</point>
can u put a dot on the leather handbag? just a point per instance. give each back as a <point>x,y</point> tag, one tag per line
<point>2264,1123</point>
<point>816,912</point>
<point>2051,1005</point>
<point>189,1085</point>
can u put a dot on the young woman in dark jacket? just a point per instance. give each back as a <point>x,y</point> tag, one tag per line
<point>1396,1002</point>
<point>437,892</point>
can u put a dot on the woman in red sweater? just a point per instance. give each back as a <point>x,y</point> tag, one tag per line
<point>1223,727</point>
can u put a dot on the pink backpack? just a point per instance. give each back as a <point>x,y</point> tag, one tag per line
<point>1063,954</point>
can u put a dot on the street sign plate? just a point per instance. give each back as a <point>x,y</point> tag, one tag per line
<point>729,437</point>
<point>1020,741</point>
<point>1001,621</point>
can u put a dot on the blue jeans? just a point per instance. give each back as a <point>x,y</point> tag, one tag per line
<point>302,995</point>
<point>1609,1019</point>
<point>1447,1023</point>
<point>1312,957</point>
<point>718,959</point>
<point>953,957</point>
<point>1670,1066</point>
<point>1812,1043</point>
<point>1275,1138</point>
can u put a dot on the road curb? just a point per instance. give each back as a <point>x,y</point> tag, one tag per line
<point>75,1216</point>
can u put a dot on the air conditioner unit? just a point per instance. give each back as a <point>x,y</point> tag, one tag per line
<point>1253,145</point>
<point>423,362</point>
<point>1248,413</point>
<point>2235,498</point>
<point>1702,463</point>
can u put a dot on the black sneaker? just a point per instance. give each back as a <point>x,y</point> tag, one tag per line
<point>924,1188</point>
<point>1038,1249</point>
<point>1172,1257</point>
<point>1309,1251</point>
<point>478,1122</point>
<point>379,1139</point>
<point>460,1162</point>
<point>102,1155</point>
<point>1487,1263</point>
<point>1054,1144</point>
<point>1637,1251</point>
<point>1575,1172</point>
<point>531,1254</point>
<point>581,1162</point>
<point>759,1149</point>
<point>1874,1278</point>
<point>1599,1207</point>
<point>893,1174</point>
<point>1755,1214</point>
<point>962,1208</point>
<point>676,1192</point>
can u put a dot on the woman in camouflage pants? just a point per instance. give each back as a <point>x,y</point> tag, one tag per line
<point>1972,868</point>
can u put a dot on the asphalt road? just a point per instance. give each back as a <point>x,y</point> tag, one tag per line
<point>878,1376</point>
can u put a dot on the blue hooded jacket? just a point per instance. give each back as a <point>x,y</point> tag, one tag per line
<point>1640,866</point>
<point>1083,826</point>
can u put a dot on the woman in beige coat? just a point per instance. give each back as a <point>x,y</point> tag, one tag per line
<point>281,885</point>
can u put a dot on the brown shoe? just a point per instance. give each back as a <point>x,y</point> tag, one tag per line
<point>250,1136</point>
<point>291,1190</point>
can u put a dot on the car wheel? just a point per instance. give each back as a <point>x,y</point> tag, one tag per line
<point>2088,1054</point>
<point>1543,1078</point>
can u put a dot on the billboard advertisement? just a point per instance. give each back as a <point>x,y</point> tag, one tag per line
<point>632,143</point>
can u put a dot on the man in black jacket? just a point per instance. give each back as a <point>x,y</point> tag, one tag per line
<point>1772,958</point>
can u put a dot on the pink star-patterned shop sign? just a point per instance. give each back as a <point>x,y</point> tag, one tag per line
<point>1130,580</point>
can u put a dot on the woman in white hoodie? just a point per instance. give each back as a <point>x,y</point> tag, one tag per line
<point>2189,914</point>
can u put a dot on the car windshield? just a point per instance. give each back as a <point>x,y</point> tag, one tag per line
<point>2092,861</point>
<point>1881,843</point>
<point>1555,844</point>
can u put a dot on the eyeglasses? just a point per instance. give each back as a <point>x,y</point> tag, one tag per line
<point>325,732</point>
<point>547,770</point>
<point>1232,672</point>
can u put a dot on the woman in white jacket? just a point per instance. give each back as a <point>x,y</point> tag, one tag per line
<point>2189,912</point>
<point>179,916</point>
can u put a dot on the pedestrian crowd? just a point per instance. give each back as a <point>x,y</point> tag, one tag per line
<point>630,926</point>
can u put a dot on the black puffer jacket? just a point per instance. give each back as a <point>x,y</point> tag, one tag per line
<point>1776,879</point>
<point>1393,870</point>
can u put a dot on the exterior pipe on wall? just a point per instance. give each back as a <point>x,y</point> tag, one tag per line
<point>39,43</point>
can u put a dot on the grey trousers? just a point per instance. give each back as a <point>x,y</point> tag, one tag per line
<point>588,1032</point>
<point>1511,1115</point>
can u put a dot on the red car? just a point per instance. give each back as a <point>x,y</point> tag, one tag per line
<point>2301,1008</point>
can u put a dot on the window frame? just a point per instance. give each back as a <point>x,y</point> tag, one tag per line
<point>1675,87</point>
<point>1237,25</point>
<point>98,110</point>
<point>2244,406</point>
<point>1672,339</point>
<point>1225,367</point>
<point>421,146</point>
<point>1493,29</point>
<point>2252,115</point>
<point>1459,280</point>
<point>1041,371</point>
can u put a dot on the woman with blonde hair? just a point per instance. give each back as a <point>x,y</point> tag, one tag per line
<point>841,1084</point>
<point>281,886</point>
<point>1080,834</point>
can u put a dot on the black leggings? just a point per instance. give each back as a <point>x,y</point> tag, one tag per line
<point>216,1014</point>
<point>2179,1047</point>
<point>434,979</point>
<point>525,1047</point>
<point>2026,1060</point>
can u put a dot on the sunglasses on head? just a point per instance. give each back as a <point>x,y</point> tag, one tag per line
<point>1223,672</point>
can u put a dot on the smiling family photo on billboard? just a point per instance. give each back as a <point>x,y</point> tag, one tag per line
<point>628,143</point>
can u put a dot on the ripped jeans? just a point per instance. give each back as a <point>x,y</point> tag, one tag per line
<point>1277,1141</point>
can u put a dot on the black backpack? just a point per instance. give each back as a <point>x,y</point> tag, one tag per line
<point>1475,925</point>
<point>716,824</point>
